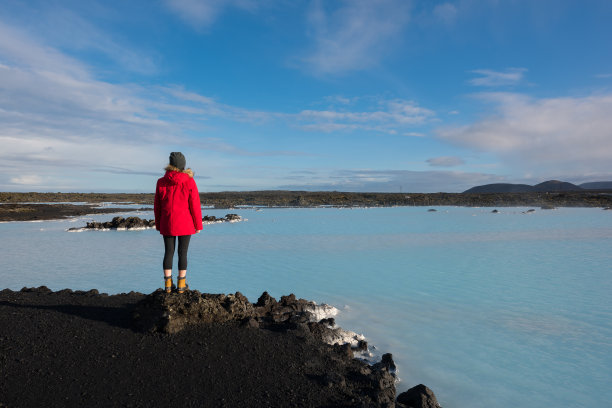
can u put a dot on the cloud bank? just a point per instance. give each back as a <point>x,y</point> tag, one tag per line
<point>354,36</point>
<point>200,14</point>
<point>543,136</point>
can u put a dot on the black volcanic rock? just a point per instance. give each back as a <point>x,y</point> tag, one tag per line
<point>417,397</point>
<point>30,212</point>
<point>23,212</point>
<point>85,344</point>
<point>79,349</point>
<point>130,223</point>
<point>119,223</point>
<point>173,313</point>
<point>227,218</point>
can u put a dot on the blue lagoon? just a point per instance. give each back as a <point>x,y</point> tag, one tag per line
<point>488,310</point>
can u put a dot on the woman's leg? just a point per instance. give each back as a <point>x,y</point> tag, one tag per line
<point>167,264</point>
<point>183,246</point>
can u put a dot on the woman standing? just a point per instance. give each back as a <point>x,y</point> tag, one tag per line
<point>178,214</point>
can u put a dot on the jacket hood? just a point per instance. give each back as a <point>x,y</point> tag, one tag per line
<point>176,176</point>
<point>170,167</point>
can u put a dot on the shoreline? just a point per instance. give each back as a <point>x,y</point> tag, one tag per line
<point>49,212</point>
<point>15,212</point>
<point>77,348</point>
<point>306,199</point>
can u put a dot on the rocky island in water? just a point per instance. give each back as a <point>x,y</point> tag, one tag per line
<point>136,223</point>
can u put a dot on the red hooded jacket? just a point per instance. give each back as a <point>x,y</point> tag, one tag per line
<point>177,204</point>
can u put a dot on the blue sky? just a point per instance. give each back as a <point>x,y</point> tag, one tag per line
<point>361,95</point>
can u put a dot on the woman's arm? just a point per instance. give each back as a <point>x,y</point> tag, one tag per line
<point>195,207</point>
<point>157,206</point>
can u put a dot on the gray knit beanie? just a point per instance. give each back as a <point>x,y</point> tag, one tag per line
<point>177,160</point>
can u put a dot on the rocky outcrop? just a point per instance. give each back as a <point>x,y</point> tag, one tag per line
<point>417,397</point>
<point>121,333</point>
<point>367,385</point>
<point>119,223</point>
<point>173,312</point>
<point>210,219</point>
<point>135,223</point>
<point>231,363</point>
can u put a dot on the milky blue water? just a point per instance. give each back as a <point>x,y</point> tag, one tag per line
<point>489,310</point>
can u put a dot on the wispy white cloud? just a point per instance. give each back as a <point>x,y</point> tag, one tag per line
<point>339,99</point>
<point>27,179</point>
<point>354,36</point>
<point>207,106</point>
<point>75,30</point>
<point>389,117</point>
<point>203,13</point>
<point>546,136</point>
<point>490,78</point>
<point>383,115</point>
<point>446,13</point>
<point>445,161</point>
<point>17,48</point>
<point>68,30</point>
<point>46,93</point>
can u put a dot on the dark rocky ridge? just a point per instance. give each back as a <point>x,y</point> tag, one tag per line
<point>230,199</point>
<point>33,212</point>
<point>88,349</point>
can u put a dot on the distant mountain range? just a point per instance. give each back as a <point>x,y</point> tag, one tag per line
<point>545,187</point>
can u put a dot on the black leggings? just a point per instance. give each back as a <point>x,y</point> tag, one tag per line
<point>183,246</point>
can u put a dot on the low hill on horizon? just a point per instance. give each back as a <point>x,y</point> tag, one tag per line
<point>597,185</point>
<point>545,187</point>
